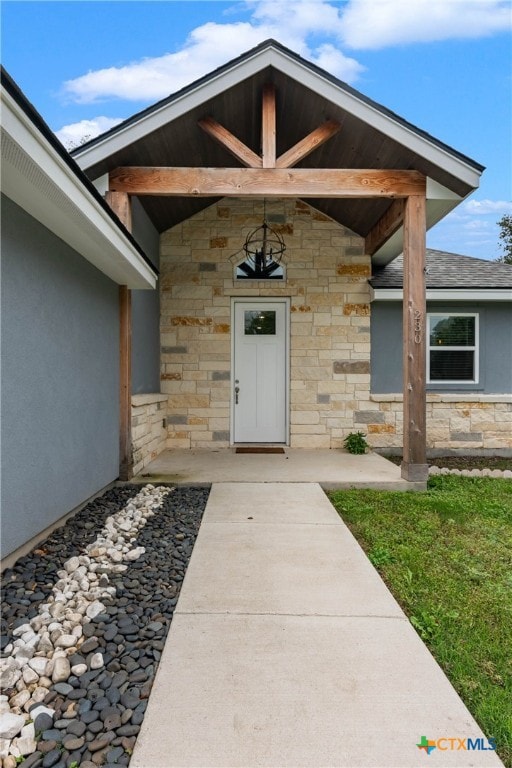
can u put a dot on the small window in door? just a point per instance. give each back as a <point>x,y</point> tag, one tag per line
<point>260,323</point>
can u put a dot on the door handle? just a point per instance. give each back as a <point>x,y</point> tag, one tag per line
<point>237,390</point>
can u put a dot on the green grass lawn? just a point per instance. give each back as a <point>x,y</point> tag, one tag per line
<point>446,556</point>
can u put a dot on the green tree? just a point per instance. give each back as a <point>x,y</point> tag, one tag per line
<point>505,237</point>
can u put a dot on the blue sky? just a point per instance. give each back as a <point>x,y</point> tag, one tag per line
<point>444,65</point>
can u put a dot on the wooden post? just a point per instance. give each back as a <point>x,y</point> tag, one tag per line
<point>120,204</point>
<point>414,464</point>
<point>268,127</point>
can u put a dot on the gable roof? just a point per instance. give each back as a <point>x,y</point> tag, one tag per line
<point>461,276</point>
<point>371,136</point>
<point>39,175</point>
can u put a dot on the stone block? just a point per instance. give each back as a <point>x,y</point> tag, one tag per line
<point>308,429</point>
<point>369,417</point>
<point>221,375</point>
<point>140,431</point>
<point>218,242</point>
<point>495,442</point>
<point>190,320</point>
<point>305,417</point>
<point>174,443</point>
<point>380,429</point>
<point>312,373</point>
<point>220,436</point>
<point>188,400</point>
<point>176,418</point>
<point>354,270</point>
<point>310,441</point>
<point>177,350</point>
<point>464,437</point>
<point>491,426</point>
<point>197,420</point>
<point>310,342</point>
<point>351,366</point>
<point>356,309</point>
<point>301,329</point>
<point>320,299</point>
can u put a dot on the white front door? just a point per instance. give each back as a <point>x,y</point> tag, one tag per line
<point>260,371</point>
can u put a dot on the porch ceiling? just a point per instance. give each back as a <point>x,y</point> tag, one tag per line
<point>370,137</point>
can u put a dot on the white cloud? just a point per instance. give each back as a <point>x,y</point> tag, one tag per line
<point>75,133</point>
<point>484,207</point>
<point>471,229</point>
<point>205,49</point>
<point>372,24</point>
<point>358,24</point>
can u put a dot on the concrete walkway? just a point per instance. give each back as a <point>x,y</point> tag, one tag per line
<point>287,650</point>
<point>330,468</point>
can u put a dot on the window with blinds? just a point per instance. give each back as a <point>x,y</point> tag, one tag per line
<point>452,348</point>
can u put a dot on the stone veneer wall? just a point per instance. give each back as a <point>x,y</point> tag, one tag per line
<point>454,421</point>
<point>148,428</point>
<point>327,282</point>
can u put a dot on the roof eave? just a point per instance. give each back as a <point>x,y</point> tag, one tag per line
<point>39,178</point>
<point>272,54</point>
<point>439,203</point>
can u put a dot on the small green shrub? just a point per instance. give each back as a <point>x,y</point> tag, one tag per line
<point>356,443</point>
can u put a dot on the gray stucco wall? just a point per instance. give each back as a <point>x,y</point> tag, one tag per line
<point>60,378</point>
<point>495,347</point>
<point>145,312</point>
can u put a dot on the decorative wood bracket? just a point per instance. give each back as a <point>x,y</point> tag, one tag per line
<point>268,138</point>
<point>386,226</point>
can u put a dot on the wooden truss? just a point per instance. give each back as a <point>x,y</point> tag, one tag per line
<point>267,175</point>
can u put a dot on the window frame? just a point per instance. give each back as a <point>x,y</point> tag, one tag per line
<point>475,348</point>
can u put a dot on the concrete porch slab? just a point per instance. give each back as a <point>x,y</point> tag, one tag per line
<point>331,468</point>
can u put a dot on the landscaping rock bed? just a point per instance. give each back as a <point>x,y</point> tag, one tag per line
<point>84,621</point>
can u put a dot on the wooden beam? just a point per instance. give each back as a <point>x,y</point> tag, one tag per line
<point>386,226</point>
<point>414,464</point>
<point>308,144</point>
<point>268,182</point>
<point>121,205</point>
<point>268,126</point>
<point>230,142</point>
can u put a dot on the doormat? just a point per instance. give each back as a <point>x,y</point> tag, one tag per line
<point>258,449</point>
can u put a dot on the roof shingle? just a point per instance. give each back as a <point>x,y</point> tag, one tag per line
<point>449,270</point>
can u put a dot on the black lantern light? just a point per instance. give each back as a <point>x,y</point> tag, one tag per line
<point>264,248</point>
